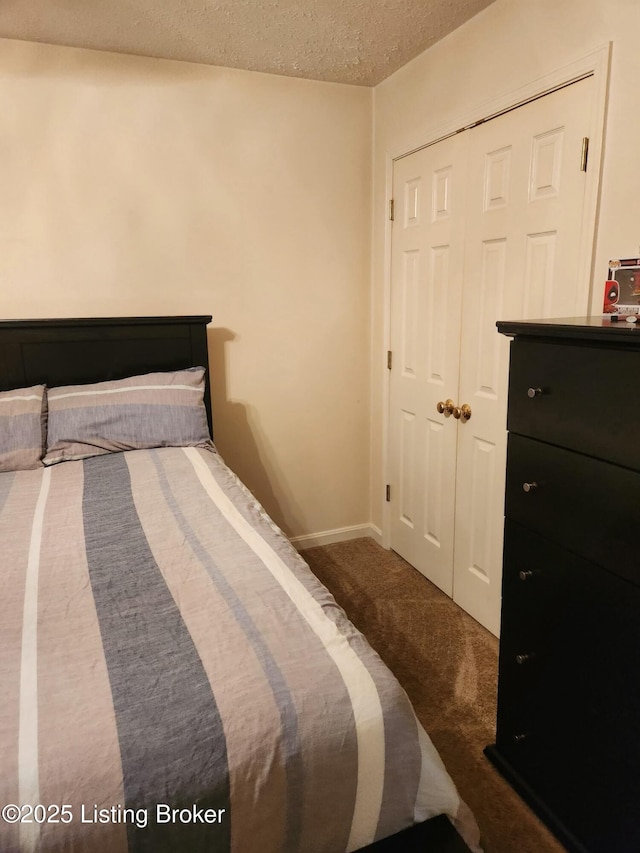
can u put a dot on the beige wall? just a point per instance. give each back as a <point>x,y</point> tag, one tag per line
<point>509,45</point>
<point>139,186</point>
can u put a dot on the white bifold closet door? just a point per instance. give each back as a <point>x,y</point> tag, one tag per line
<point>488,226</point>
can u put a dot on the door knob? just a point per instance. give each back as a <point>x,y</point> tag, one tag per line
<point>447,408</point>
<point>462,412</point>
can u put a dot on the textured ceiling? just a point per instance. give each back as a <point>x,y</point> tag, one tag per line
<point>343,41</point>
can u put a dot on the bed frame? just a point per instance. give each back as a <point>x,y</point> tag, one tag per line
<point>74,351</point>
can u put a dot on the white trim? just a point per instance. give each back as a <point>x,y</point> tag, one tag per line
<point>601,76</point>
<point>340,534</point>
<point>594,64</point>
<point>373,354</point>
<point>386,374</point>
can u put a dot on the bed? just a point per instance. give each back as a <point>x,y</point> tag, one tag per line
<point>174,676</point>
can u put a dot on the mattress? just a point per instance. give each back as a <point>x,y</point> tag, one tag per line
<point>174,678</point>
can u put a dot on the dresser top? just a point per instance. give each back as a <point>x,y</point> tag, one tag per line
<point>600,329</point>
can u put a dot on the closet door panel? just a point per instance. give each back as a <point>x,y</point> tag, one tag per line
<point>525,195</point>
<point>429,191</point>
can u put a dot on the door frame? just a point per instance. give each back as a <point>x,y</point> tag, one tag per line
<point>596,64</point>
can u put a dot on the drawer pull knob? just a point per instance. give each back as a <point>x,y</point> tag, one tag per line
<point>520,737</point>
<point>534,392</point>
<point>529,487</point>
<point>525,574</point>
<point>521,659</point>
<point>445,408</point>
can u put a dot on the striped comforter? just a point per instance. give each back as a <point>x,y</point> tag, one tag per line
<point>175,679</point>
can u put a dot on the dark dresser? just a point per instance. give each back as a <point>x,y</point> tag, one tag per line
<point>568,727</point>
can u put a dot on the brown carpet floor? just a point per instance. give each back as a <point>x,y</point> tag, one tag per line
<point>448,665</point>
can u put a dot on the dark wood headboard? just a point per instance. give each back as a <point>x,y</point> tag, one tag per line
<point>69,352</point>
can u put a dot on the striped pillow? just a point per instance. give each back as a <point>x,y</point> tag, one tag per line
<point>22,414</point>
<point>154,410</point>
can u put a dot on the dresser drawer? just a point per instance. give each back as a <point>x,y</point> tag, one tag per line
<point>569,696</point>
<point>546,697</point>
<point>581,397</point>
<point>564,619</point>
<point>587,506</point>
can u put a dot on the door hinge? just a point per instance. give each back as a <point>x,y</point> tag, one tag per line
<point>584,156</point>
<point>389,359</point>
<point>392,209</point>
<point>388,492</point>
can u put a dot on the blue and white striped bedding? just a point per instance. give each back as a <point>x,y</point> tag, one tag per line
<point>167,657</point>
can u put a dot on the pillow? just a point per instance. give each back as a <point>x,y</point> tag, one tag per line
<point>22,421</point>
<point>154,410</point>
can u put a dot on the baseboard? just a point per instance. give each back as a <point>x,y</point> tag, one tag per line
<point>341,534</point>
